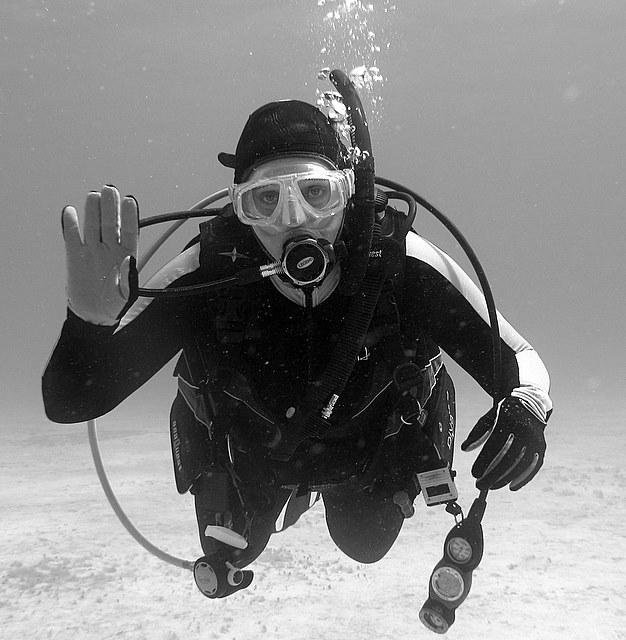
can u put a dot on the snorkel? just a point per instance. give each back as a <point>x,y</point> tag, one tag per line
<point>360,216</point>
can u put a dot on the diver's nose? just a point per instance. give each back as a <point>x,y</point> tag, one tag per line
<point>293,214</point>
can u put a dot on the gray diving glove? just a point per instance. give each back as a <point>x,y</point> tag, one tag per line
<point>514,446</point>
<point>101,270</point>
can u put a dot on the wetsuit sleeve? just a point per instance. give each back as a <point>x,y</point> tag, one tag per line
<point>93,368</point>
<point>453,311</point>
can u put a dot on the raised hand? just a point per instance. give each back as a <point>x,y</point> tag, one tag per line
<point>101,271</point>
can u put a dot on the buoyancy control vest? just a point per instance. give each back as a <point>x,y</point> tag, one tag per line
<point>245,373</point>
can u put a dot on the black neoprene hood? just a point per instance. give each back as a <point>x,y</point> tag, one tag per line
<point>284,127</point>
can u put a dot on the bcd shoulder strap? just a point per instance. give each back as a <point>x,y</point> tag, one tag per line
<point>313,419</point>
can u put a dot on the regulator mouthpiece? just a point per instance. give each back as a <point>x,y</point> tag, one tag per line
<point>307,261</point>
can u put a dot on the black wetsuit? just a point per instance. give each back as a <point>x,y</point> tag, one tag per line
<point>283,350</point>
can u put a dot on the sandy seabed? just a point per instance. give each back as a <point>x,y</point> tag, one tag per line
<point>554,564</point>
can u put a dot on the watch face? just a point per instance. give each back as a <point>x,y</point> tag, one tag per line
<point>459,550</point>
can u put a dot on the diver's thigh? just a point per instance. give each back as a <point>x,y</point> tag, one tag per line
<point>363,525</point>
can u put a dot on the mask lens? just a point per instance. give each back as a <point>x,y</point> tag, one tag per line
<point>261,202</point>
<point>318,193</point>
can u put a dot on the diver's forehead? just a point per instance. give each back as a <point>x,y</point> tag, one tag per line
<point>289,165</point>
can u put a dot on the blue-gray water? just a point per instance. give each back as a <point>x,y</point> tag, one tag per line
<point>508,115</point>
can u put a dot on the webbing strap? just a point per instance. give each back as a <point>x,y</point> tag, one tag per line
<point>321,398</point>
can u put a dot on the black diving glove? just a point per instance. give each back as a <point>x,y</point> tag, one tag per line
<point>514,446</point>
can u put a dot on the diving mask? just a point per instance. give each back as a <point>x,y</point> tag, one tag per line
<point>286,199</point>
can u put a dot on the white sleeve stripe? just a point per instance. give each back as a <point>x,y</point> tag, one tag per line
<point>183,264</point>
<point>532,372</point>
<point>423,250</point>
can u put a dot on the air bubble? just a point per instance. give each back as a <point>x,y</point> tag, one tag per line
<point>352,34</point>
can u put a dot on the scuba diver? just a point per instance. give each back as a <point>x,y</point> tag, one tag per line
<point>321,378</point>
